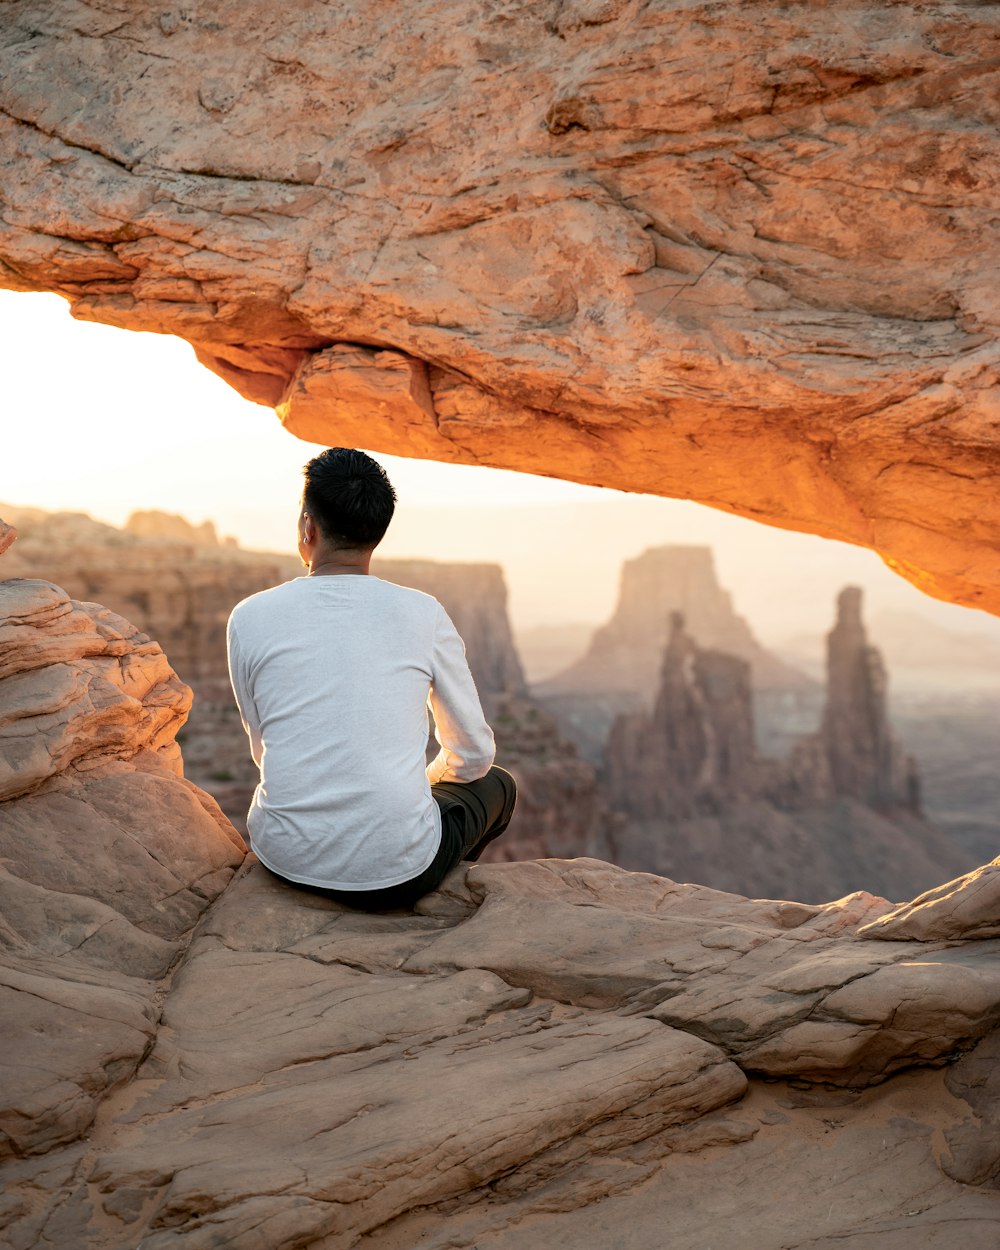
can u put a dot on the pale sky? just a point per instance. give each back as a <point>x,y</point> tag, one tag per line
<point>104,421</point>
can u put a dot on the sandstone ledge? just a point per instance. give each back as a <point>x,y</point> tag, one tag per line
<point>533,1039</point>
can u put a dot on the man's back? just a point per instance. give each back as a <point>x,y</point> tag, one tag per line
<point>332,675</point>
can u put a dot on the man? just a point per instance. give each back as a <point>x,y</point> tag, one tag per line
<point>332,674</point>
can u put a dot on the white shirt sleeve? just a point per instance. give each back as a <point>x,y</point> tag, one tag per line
<point>241,690</point>
<point>467,745</point>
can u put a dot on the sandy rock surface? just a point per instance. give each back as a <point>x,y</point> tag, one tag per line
<point>738,254</point>
<point>968,907</point>
<point>534,1039</point>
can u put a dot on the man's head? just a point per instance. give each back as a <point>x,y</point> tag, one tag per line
<point>348,499</point>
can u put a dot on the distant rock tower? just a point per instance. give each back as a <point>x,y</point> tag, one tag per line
<point>864,759</point>
<point>695,754</point>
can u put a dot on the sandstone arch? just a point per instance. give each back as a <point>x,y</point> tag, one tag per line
<point>742,254</point>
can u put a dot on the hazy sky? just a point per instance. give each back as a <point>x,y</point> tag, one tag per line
<point>104,421</point>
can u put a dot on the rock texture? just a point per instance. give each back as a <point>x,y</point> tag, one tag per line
<point>842,812</point>
<point>620,671</point>
<point>109,857</point>
<point>174,579</point>
<point>755,271</point>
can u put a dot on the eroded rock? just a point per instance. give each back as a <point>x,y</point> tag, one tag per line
<point>109,856</point>
<point>964,909</point>
<point>701,803</point>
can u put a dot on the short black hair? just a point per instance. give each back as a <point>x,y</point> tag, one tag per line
<point>349,496</point>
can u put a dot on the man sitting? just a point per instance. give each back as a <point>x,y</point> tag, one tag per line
<point>332,674</point>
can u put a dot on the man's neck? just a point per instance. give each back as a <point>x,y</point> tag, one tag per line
<point>333,563</point>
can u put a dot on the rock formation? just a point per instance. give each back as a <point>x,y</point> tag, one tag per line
<point>627,653</point>
<point>620,671</point>
<point>696,753</point>
<point>109,857</point>
<point>755,272</point>
<point>702,804</point>
<point>855,754</point>
<point>175,580</point>
<point>865,759</point>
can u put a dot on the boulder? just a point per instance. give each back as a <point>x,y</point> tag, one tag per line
<point>109,857</point>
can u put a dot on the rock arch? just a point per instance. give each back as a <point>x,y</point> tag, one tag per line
<point>736,254</point>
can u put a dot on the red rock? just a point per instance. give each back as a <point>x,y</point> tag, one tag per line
<point>755,272</point>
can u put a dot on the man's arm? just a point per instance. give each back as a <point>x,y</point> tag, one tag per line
<point>244,700</point>
<point>467,745</point>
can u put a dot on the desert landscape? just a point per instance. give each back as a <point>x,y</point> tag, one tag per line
<point>732,979</point>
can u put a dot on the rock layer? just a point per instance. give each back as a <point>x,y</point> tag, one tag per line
<point>754,272</point>
<point>109,856</point>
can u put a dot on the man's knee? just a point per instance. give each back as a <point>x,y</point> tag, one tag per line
<point>507,784</point>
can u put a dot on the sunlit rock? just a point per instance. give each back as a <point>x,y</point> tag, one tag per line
<point>109,857</point>
<point>964,909</point>
<point>757,272</point>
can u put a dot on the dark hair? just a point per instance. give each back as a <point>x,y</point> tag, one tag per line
<point>349,496</point>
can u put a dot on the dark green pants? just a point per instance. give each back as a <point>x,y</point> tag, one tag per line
<point>473,813</point>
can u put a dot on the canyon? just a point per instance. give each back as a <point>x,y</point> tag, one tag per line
<point>738,254</point>
<point>794,813</point>
<point>840,812</point>
<point>202,1055</point>
<point>620,669</point>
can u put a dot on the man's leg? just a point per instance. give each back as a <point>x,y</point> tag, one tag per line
<point>479,811</point>
<point>473,813</point>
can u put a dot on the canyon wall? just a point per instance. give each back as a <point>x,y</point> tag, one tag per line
<point>174,579</point>
<point>754,272</point>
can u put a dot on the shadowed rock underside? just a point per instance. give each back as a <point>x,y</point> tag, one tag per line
<point>742,254</point>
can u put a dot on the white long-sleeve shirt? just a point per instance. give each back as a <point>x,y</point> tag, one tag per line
<point>333,676</point>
